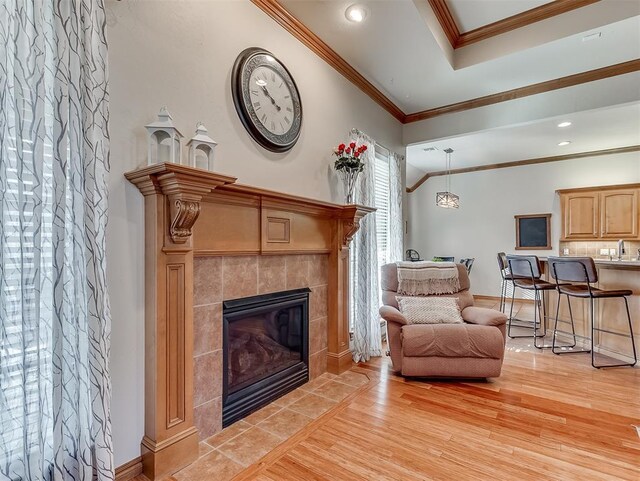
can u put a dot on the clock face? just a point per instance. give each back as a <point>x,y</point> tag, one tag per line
<point>267,100</point>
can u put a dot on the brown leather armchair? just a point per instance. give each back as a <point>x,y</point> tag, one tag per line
<point>474,349</point>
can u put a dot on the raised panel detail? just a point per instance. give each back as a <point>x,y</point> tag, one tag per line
<point>619,213</point>
<point>278,229</point>
<point>175,337</point>
<point>581,216</point>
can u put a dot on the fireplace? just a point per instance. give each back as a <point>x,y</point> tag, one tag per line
<point>265,350</point>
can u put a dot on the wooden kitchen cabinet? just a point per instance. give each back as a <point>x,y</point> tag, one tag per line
<point>619,214</point>
<point>598,213</point>
<point>580,215</point>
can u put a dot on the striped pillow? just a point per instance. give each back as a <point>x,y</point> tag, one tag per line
<point>430,310</point>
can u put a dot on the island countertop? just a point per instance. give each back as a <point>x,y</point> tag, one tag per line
<point>607,264</point>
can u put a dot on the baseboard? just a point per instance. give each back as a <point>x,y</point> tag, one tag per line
<point>129,470</point>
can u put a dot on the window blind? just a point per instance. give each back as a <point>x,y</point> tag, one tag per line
<point>25,290</point>
<point>382,189</point>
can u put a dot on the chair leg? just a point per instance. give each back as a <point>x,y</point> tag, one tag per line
<point>593,330</point>
<point>535,320</point>
<point>502,294</point>
<point>541,309</point>
<point>573,331</point>
<point>555,325</point>
<point>573,325</point>
<point>513,293</point>
<point>633,343</point>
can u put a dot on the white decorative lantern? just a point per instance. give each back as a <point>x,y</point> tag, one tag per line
<point>164,140</point>
<point>201,148</point>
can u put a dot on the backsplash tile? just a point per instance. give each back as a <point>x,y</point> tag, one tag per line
<point>592,249</point>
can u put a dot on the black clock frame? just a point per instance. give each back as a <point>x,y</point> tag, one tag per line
<point>238,95</point>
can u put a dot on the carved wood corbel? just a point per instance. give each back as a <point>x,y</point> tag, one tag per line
<point>351,221</point>
<point>184,214</point>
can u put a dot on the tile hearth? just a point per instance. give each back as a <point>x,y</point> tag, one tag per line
<point>227,453</point>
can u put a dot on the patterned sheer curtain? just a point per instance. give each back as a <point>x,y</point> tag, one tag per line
<point>367,341</point>
<point>396,224</point>
<point>55,325</point>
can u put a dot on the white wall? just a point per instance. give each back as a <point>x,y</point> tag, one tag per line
<point>484,225</point>
<point>180,54</point>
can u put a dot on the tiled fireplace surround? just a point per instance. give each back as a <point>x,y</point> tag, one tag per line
<point>218,279</point>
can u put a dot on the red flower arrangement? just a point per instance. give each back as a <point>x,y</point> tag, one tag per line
<point>349,164</point>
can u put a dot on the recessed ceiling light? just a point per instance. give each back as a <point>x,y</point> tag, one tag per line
<point>564,142</point>
<point>356,13</point>
<point>564,124</point>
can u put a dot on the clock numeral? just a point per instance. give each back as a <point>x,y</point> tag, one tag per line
<point>287,97</point>
<point>256,105</point>
<point>286,119</point>
<point>281,84</point>
<point>273,77</point>
<point>273,125</point>
<point>263,118</point>
<point>254,92</point>
<point>289,109</point>
<point>281,126</point>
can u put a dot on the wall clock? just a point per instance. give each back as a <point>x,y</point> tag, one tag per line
<point>266,99</point>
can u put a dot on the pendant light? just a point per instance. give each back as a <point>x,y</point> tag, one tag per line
<point>448,199</point>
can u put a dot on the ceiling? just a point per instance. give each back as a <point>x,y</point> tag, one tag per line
<point>590,130</point>
<point>399,53</point>
<point>405,49</point>
<point>471,14</point>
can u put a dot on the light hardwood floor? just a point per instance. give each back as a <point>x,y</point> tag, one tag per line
<point>547,417</point>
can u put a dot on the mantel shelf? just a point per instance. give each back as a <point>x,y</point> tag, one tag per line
<point>169,178</point>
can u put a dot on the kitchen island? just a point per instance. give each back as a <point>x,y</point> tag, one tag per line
<point>610,313</point>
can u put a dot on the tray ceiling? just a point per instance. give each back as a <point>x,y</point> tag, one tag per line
<point>397,51</point>
<point>472,14</point>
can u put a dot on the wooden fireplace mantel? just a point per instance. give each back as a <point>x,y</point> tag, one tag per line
<point>192,212</point>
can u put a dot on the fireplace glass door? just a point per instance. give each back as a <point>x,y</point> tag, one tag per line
<point>265,350</point>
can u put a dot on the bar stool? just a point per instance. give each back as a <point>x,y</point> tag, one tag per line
<point>503,265</point>
<point>583,270</point>
<point>526,274</point>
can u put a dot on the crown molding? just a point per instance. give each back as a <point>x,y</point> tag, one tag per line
<point>520,163</point>
<point>296,28</point>
<point>534,89</point>
<point>446,20</point>
<point>543,12</point>
<point>461,39</point>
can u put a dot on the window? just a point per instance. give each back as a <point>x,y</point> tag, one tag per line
<point>26,252</point>
<point>381,203</point>
<point>382,190</point>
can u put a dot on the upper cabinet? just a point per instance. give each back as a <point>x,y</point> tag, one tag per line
<point>580,216</point>
<point>619,214</point>
<point>610,212</point>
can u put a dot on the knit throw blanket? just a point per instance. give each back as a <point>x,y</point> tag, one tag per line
<point>427,278</point>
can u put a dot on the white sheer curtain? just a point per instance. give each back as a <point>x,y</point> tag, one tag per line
<point>396,223</point>
<point>367,341</point>
<point>54,313</point>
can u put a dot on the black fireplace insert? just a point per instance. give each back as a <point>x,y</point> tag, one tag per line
<point>265,350</point>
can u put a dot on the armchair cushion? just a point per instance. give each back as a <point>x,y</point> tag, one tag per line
<point>430,310</point>
<point>451,341</point>
<point>483,316</point>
